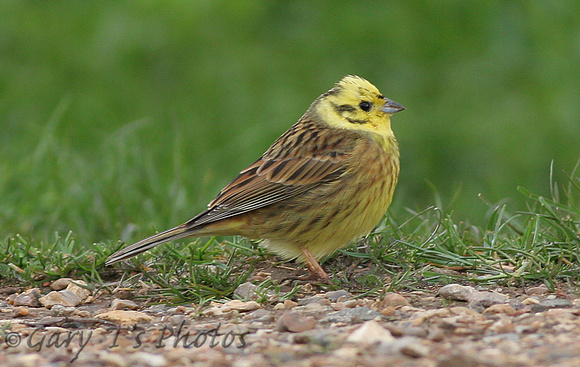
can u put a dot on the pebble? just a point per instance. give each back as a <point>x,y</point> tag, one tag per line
<point>321,337</point>
<point>60,284</point>
<point>370,332</point>
<point>485,299</point>
<point>351,303</point>
<point>241,305</point>
<point>388,311</point>
<point>176,320</point>
<point>409,330</point>
<point>408,346</point>
<point>352,315</point>
<point>64,297</point>
<point>60,310</point>
<point>77,288</point>
<point>113,359</point>
<point>235,305</point>
<point>530,301</point>
<point>82,313</point>
<point>551,303</point>
<point>125,317</point>
<point>259,315</point>
<point>248,291</point>
<point>435,334</point>
<point>21,311</point>
<point>334,296</point>
<point>29,298</point>
<point>537,291</point>
<point>459,359</point>
<point>294,322</point>
<point>121,304</point>
<point>314,299</point>
<point>502,326</point>
<point>456,292</point>
<point>146,359</point>
<point>501,308</point>
<point>394,300</point>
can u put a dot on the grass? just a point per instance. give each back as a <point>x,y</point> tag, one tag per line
<point>408,250</point>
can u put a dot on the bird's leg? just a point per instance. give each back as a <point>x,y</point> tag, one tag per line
<point>313,265</point>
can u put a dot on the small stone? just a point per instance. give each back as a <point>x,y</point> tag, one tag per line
<point>121,304</point>
<point>456,292</point>
<point>435,334</point>
<point>411,347</point>
<point>176,320</point>
<point>458,359</point>
<point>352,315</point>
<point>369,333</point>
<point>29,360</point>
<point>30,298</point>
<point>551,303</point>
<point>77,288</point>
<point>347,353</point>
<point>213,311</point>
<point>286,305</point>
<point>82,313</point>
<point>530,301</point>
<point>501,308</point>
<point>294,322</point>
<point>388,311</point>
<point>289,304</point>
<point>394,300</point>
<point>537,291</point>
<point>21,311</point>
<point>64,298</point>
<point>113,359</point>
<point>485,299</point>
<point>315,308</point>
<point>157,309</point>
<point>60,310</point>
<point>240,305</point>
<point>259,315</point>
<point>125,317</point>
<point>314,299</point>
<point>562,313</point>
<point>146,359</point>
<point>502,326</point>
<point>248,291</point>
<point>409,330</point>
<point>351,303</point>
<point>60,284</point>
<point>333,296</point>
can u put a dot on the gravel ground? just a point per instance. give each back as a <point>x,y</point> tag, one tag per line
<point>453,326</point>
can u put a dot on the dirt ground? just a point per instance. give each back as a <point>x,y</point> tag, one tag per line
<point>451,326</point>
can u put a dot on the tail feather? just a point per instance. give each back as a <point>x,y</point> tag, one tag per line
<point>150,242</point>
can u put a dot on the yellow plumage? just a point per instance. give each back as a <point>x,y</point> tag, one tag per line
<point>327,180</point>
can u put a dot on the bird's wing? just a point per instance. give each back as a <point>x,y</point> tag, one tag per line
<point>293,165</point>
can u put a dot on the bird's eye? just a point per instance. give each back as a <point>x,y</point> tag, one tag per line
<point>365,106</point>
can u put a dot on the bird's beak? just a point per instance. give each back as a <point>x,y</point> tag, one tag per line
<point>392,107</point>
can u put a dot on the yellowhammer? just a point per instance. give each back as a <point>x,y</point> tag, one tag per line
<point>328,179</point>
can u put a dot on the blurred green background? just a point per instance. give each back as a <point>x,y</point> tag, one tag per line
<point>121,116</point>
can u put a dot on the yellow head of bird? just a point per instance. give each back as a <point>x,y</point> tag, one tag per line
<point>355,104</point>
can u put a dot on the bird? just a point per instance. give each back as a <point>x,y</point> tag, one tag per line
<point>326,181</point>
